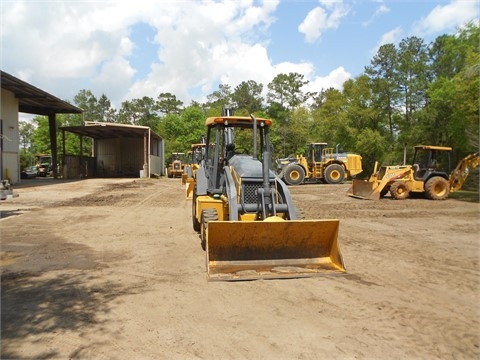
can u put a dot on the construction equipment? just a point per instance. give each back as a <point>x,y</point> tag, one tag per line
<point>43,162</point>
<point>175,169</point>
<point>195,157</point>
<point>428,175</point>
<point>321,164</point>
<point>245,215</point>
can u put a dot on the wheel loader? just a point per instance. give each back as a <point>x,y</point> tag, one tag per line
<point>245,215</point>
<point>321,164</point>
<point>175,169</point>
<point>429,175</point>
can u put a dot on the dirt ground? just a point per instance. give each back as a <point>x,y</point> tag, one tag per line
<point>112,269</point>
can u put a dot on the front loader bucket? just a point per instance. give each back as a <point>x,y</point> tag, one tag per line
<point>189,187</point>
<point>364,189</point>
<point>247,250</point>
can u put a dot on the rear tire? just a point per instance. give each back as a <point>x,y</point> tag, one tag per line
<point>294,174</point>
<point>437,188</point>
<point>399,190</point>
<point>335,174</point>
<point>207,215</point>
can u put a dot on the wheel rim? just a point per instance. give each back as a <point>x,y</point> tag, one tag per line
<point>439,189</point>
<point>335,175</point>
<point>294,175</point>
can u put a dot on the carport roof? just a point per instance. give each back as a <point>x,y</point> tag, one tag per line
<point>103,130</point>
<point>32,100</point>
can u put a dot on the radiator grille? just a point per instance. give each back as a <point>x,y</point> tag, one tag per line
<point>250,192</point>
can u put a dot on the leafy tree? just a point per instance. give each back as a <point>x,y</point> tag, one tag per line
<point>413,74</point>
<point>142,112</point>
<point>180,131</point>
<point>283,96</point>
<point>247,97</point>
<point>383,74</point>
<point>106,112</point>
<point>93,109</point>
<point>219,99</point>
<point>168,103</point>
<point>329,117</point>
<point>26,130</point>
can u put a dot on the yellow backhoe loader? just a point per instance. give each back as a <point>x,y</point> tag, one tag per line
<point>245,215</point>
<point>321,164</point>
<point>195,158</point>
<point>429,175</point>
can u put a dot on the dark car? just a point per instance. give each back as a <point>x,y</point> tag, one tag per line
<point>29,173</point>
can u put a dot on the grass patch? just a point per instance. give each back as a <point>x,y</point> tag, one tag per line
<point>466,195</point>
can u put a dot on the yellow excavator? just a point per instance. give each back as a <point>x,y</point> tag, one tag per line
<point>429,175</point>
<point>245,215</point>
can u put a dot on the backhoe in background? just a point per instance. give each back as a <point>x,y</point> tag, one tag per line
<point>321,164</point>
<point>429,175</point>
<point>194,160</point>
<point>245,215</point>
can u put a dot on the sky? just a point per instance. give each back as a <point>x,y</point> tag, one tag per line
<point>130,49</point>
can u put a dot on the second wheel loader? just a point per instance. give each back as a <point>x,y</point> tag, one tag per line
<point>321,164</point>
<point>429,175</point>
<point>245,215</point>
<point>175,169</point>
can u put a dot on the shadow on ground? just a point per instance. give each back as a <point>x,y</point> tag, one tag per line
<point>33,305</point>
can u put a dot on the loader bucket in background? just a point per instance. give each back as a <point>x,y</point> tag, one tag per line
<point>364,189</point>
<point>248,250</point>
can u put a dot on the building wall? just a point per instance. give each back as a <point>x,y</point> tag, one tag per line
<point>119,157</point>
<point>9,138</point>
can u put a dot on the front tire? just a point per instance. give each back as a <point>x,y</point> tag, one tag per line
<point>437,188</point>
<point>399,190</point>
<point>294,174</point>
<point>207,215</point>
<point>335,174</point>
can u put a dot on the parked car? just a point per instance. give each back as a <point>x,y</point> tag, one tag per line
<point>29,173</point>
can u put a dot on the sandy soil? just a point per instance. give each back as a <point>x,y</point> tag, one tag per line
<point>112,269</point>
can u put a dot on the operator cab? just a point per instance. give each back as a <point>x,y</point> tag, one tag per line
<point>429,160</point>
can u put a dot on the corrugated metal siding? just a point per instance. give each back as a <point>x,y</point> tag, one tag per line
<point>76,167</point>
<point>119,157</point>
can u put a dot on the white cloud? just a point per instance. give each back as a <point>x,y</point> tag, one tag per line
<point>335,80</point>
<point>381,9</point>
<point>392,37</point>
<point>321,18</point>
<point>447,17</point>
<point>63,47</point>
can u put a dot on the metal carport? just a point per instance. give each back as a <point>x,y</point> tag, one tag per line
<point>119,150</point>
<point>30,100</point>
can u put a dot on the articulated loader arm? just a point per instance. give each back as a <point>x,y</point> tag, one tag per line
<point>461,172</point>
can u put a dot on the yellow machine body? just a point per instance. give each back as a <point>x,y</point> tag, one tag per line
<point>427,177</point>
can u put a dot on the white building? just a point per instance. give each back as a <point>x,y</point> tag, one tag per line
<point>17,97</point>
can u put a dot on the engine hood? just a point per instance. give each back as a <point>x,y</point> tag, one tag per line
<point>249,168</point>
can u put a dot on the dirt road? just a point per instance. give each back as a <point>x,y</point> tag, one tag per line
<point>112,269</point>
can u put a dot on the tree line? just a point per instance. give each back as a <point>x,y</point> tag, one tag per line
<point>411,93</point>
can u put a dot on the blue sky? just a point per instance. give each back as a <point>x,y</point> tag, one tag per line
<point>127,49</point>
